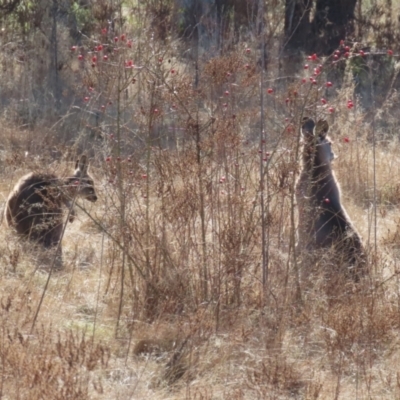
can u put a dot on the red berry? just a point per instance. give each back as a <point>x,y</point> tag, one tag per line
<point>342,42</point>
<point>323,101</point>
<point>123,37</point>
<point>94,59</point>
<point>116,39</point>
<point>248,51</point>
<point>100,47</point>
<point>73,48</point>
<point>247,66</point>
<point>331,110</point>
<point>270,90</point>
<point>328,84</point>
<point>156,111</point>
<point>314,57</point>
<point>105,57</point>
<point>304,80</point>
<point>347,54</point>
<point>327,201</point>
<point>160,60</point>
<point>346,140</point>
<point>335,57</point>
<point>362,54</point>
<point>80,57</point>
<point>108,159</point>
<point>226,93</point>
<point>86,98</point>
<point>347,48</point>
<point>294,93</point>
<point>103,108</point>
<point>306,66</point>
<point>144,176</point>
<point>104,31</point>
<point>287,100</point>
<point>172,71</point>
<point>390,52</point>
<point>129,43</point>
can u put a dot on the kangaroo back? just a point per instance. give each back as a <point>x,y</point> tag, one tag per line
<point>34,207</point>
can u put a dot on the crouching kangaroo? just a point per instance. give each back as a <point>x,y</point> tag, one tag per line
<point>34,207</point>
<point>323,221</point>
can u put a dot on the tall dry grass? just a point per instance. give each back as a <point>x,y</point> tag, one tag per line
<point>162,292</point>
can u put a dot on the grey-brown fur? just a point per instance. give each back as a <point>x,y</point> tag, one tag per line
<point>34,207</point>
<point>323,222</point>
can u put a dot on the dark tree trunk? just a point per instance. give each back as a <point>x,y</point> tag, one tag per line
<point>297,25</point>
<point>333,21</point>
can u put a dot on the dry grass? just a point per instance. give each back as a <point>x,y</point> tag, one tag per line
<point>161,293</point>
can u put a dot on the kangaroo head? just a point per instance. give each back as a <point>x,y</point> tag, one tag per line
<point>317,141</point>
<point>83,181</point>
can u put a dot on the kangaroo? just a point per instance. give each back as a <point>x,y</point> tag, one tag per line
<point>34,207</point>
<point>323,221</point>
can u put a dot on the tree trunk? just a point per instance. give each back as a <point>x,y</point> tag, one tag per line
<point>333,22</point>
<point>297,25</point>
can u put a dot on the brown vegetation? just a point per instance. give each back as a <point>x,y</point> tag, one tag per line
<point>182,280</point>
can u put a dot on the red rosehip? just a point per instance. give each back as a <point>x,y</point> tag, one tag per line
<point>346,140</point>
<point>123,37</point>
<point>86,98</point>
<point>248,51</point>
<point>327,201</point>
<point>323,101</point>
<point>104,31</point>
<point>129,43</point>
<point>73,48</point>
<point>270,90</point>
<point>172,71</point>
<point>362,54</point>
<point>390,52</point>
<point>105,57</point>
<point>331,110</point>
<point>328,84</point>
<point>116,39</point>
<point>226,93</point>
<point>80,57</point>
<point>306,66</point>
<point>94,59</point>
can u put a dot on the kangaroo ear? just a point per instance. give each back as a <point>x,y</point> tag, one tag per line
<point>322,128</point>
<point>307,127</point>
<point>82,164</point>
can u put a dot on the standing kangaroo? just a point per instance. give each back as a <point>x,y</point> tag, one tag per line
<point>323,222</point>
<point>34,208</point>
